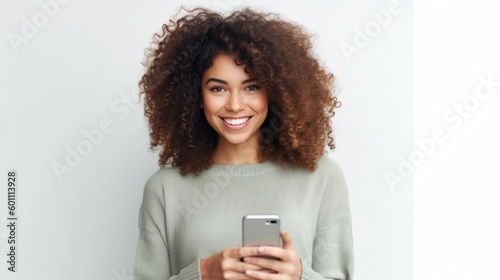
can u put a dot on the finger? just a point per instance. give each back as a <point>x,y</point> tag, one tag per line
<point>236,275</point>
<point>242,266</point>
<point>287,240</point>
<point>236,254</point>
<point>261,275</point>
<point>252,251</point>
<point>271,251</point>
<point>240,252</point>
<point>268,271</point>
<point>235,269</point>
<point>274,265</point>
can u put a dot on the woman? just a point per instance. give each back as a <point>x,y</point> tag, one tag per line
<point>241,110</point>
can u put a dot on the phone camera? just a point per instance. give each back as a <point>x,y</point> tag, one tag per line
<point>273,221</point>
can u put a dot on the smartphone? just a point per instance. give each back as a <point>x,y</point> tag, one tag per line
<point>261,230</point>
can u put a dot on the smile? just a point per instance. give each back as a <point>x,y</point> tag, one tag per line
<point>239,121</point>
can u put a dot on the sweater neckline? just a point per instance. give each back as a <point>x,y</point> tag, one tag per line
<point>248,169</point>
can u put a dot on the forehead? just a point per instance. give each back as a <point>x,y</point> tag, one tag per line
<point>224,67</point>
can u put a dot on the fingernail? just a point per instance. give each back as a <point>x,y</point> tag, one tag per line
<point>247,259</point>
<point>261,249</point>
<point>248,272</point>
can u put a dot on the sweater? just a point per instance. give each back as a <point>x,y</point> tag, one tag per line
<point>183,219</point>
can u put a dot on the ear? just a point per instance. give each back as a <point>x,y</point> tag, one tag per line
<point>201,105</point>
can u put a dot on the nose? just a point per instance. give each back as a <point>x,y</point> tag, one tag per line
<point>236,102</point>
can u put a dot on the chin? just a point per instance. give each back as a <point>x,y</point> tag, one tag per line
<point>237,139</point>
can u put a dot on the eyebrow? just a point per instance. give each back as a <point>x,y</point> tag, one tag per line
<point>225,82</point>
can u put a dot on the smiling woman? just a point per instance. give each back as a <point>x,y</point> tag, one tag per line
<point>240,98</point>
<point>274,52</point>
<point>235,105</point>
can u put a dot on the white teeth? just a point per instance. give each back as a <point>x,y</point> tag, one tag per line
<point>236,121</point>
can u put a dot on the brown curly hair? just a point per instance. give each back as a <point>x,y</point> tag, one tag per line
<point>275,52</point>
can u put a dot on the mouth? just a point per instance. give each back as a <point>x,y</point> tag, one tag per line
<point>236,121</point>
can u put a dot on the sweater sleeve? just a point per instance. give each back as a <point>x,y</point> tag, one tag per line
<point>152,257</point>
<point>333,247</point>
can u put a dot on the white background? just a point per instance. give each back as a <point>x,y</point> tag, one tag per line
<point>80,67</point>
<point>456,189</point>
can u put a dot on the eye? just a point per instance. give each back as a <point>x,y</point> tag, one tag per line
<point>253,87</point>
<point>217,89</point>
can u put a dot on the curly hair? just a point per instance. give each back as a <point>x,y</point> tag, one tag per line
<point>275,52</point>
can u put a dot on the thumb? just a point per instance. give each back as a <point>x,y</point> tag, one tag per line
<point>287,240</point>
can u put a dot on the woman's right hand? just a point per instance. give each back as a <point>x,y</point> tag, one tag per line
<point>228,265</point>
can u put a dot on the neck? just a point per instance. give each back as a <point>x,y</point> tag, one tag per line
<point>229,153</point>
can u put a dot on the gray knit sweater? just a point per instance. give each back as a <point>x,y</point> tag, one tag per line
<point>183,219</point>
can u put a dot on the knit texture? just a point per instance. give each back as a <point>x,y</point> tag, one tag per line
<point>184,219</point>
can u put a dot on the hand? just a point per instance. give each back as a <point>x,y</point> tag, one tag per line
<point>228,265</point>
<point>288,267</point>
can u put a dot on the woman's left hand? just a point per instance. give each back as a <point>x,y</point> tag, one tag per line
<point>288,267</point>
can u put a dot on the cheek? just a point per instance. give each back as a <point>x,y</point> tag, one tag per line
<point>260,104</point>
<point>211,105</point>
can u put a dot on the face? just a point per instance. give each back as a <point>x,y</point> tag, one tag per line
<point>235,105</point>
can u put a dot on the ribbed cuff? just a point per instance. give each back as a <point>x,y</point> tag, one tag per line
<point>191,272</point>
<point>307,272</point>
